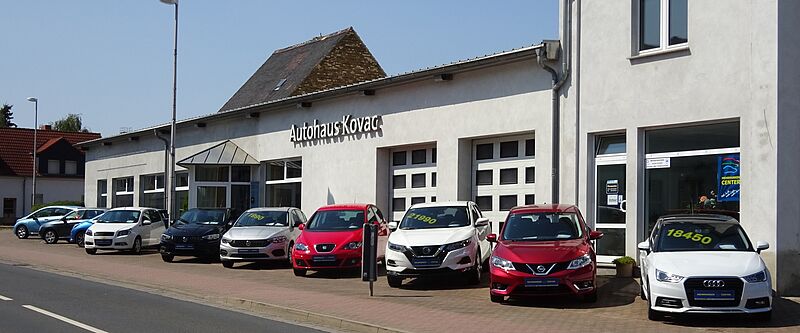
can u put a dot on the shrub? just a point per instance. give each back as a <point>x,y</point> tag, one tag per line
<point>57,203</point>
<point>624,261</point>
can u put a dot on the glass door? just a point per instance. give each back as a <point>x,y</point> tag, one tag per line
<point>610,206</point>
<point>240,198</point>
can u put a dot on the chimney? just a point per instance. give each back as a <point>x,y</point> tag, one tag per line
<point>46,127</point>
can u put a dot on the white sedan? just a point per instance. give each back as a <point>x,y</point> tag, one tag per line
<point>703,264</point>
<point>130,228</point>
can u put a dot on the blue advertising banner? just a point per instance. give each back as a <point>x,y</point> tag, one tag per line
<point>728,178</point>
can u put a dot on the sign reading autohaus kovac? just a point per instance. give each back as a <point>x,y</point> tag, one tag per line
<point>347,126</point>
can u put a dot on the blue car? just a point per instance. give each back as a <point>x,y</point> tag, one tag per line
<point>78,232</point>
<point>29,225</point>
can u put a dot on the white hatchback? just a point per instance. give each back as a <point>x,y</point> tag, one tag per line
<point>440,238</point>
<point>703,264</point>
<point>130,228</point>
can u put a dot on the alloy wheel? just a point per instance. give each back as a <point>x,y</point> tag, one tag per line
<point>50,237</point>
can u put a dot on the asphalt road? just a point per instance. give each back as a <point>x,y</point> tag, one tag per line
<point>36,301</point>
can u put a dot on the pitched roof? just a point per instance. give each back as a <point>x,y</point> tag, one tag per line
<point>324,62</point>
<point>16,150</point>
<point>225,153</point>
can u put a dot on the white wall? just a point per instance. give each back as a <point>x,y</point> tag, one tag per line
<point>52,189</point>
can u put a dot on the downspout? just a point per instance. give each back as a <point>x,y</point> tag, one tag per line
<point>166,167</point>
<point>558,81</point>
<point>577,94</point>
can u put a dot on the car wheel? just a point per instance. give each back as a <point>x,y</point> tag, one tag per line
<point>653,314</point>
<point>497,298</point>
<point>91,251</point>
<point>299,272</point>
<point>22,232</point>
<point>137,246</point>
<point>474,274</point>
<point>590,297</point>
<point>763,316</point>
<point>227,264</point>
<point>50,236</point>
<point>394,281</point>
<point>167,257</point>
<point>289,254</point>
<point>80,238</point>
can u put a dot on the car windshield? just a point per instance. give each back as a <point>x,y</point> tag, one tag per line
<point>203,216</point>
<point>120,216</point>
<point>701,236</point>
<point>435,217</point>
<point>336,220</point>
<point>98,217</point>
<point>542,227</point>
<point>262,218</point>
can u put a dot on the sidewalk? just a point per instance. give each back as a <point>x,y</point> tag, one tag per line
<point>419,307</point>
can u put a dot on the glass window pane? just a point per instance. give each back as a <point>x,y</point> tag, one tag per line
<point>71,167</point>
<point>152,200</point>
<point>205,173</point>
<point>182,179</point>
<point>484,151</point>
<point>399,158</point>
<point>160,181</point>
<point>530,147</point>
<point>284,195</point>
<point>610,145</point>
<point>182,201</point>
<point>399,181</point>
<point>610,193</point>
<point>418,180</point>
<point>507,202</point>
<point>417,200</point>
<point>530,199</point>
<point>713,136</point>
<point>53,167</point>
<point>275,170</point>
<point>211,197</point>
<point>433,155</point>
<point>508,176</point>
<point>148,183</point>
<point>418,156</point>
<point>509,149</point>
<point>612,243</point>
<point>530,175</point>
<point>398,204</point>
<point>649,24</point>
<point>294,169</point>
<point>433,199</point>
<point>240,173</point>
<point>678,31</point>
<point>433,179</point>
<point>483,177</point>
<point>102,186</point>
<point>484,202</point>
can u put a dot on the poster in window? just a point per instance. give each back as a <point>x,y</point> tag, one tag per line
<point>728,178</point>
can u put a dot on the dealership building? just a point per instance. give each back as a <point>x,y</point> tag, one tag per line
<point>661,110</point>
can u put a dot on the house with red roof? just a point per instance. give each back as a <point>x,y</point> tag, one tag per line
<point>59,168</point>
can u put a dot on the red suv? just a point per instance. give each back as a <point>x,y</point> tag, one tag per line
<point>544,250</point>
<point>332,238</point>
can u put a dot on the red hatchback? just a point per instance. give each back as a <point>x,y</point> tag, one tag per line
<point>332,238</point>
<point>544,250</point>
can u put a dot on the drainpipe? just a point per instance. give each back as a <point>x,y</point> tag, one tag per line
<point>166,167</point>
<point>558,81</point>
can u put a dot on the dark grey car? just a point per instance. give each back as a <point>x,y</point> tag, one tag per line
<point>52,231</point>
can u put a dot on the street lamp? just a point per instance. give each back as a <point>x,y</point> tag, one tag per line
<point>171,182</point>
<point>35,126</point>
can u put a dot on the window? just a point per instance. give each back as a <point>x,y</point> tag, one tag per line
<point>509,149</point>
<point>399,158</point>
<point>102,193</point>
<point>53,167</point>
<point>211,196</point>
<point>205,173</point>
<point>182,179</point>
<point>417,200</point>
<point>399,204</point>
<point>433,179</point>
<point>418,156</point>
<point>433,155</point>
<point>484,151</point>
<point>399,181</point>
<point>418,180</point>
<point>484,202</point>
<point>71,167</point>
<point>610,145</point>
<point>508,176</point>
<point>152,191</point>
<point>530,199</point>
<point>240,173</point>
<point>123,192</point>
<point>181,200</point>
<point>530,175</point>
<point>507,202</point>
<point>153,182</point>
<point>483,177</point>
<point>284,183</point>
<point>275,170</point>
<point>530,147</point>
<point>294,169</point>
<point>662,24</point>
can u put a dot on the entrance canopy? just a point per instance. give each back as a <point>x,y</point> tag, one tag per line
<point>225,153</point>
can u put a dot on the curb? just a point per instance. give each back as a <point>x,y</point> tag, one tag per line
<point>271,311</point>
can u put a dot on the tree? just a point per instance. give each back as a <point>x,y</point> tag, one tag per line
<point>6,116</point>
<point>71,123</point>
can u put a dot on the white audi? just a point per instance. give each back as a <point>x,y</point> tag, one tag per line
<point>438,238</point>
<point>703,264</point>
<point>130,228</point>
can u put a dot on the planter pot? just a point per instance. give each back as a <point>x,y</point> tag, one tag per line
<point>624,270</point>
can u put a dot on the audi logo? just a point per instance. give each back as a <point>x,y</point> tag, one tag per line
<point>713,283</point>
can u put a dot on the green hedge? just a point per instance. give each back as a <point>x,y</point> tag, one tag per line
<point>57,203</point>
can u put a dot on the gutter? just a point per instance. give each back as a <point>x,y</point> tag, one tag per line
<point>167,198</point>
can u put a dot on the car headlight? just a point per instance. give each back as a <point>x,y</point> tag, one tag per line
<point>123,232</point>
<point>225,240</point>
<point>582,261</point>
<point>456,245</point>
<point>279,239</point>
<point>88,232</point>
<point>396,247</point>
<point>667,277</point>
<point>757,277</point>
<point>166,237</point>
<point>301,247</point>
<point>502,263</point>
<point>352,246</point>
<point>211,237</point>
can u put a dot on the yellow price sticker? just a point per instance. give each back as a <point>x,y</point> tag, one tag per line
<point>423,218</point>
<point>256,216</point>
<point>692,236</point>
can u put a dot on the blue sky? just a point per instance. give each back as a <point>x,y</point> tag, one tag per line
<point>111,61</point>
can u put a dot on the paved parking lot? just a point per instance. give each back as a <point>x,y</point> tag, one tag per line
<point>421,306</point>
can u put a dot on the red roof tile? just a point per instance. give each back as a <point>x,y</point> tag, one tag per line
<point>16,147</point>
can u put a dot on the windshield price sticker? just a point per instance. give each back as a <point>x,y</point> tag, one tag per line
<point>256,216</point>
<point>423,218</point>
<point>693,236</point>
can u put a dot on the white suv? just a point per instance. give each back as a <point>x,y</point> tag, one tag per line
<point>438,238</point>
<point>703,264</point>
<point>130,228</point>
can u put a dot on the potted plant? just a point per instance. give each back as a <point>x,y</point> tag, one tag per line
<point>624,266</point>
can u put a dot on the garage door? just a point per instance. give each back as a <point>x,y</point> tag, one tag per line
<point>413,178</point>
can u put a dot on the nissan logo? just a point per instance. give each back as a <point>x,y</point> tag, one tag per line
<point>713,283</point>
<point>247,243</point>
<point>540,269</point>
<point>426,250</point>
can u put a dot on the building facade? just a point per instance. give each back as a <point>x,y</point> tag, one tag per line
<point>667,106</point>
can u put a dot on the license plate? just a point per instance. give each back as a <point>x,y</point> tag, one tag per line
<point>714,295</point>
<point>539,282</point>
<point>102,242</point>
<point>324,258</point>
<point>426,262</point>
<point>248,250</point>
<point>184,246</point>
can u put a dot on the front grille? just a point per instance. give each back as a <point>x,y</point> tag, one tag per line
<point>735,284</point>
<point>425,251</point>
<point>250,243</point>
<point>103,233</point>
<point>250,255</point>
<point>533,268</point>
<point>187,239</point>
<point>324,247</point>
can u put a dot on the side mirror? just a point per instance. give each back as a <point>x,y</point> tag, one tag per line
<point>761,246</point>
<point>594,234</point>
<point>393,225</point>
<point>644,246</point>
<point>146,222</point>
<point>64,219</point>
<point>301,226</point>
<point>482,222</point>
<point>492,238</point>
